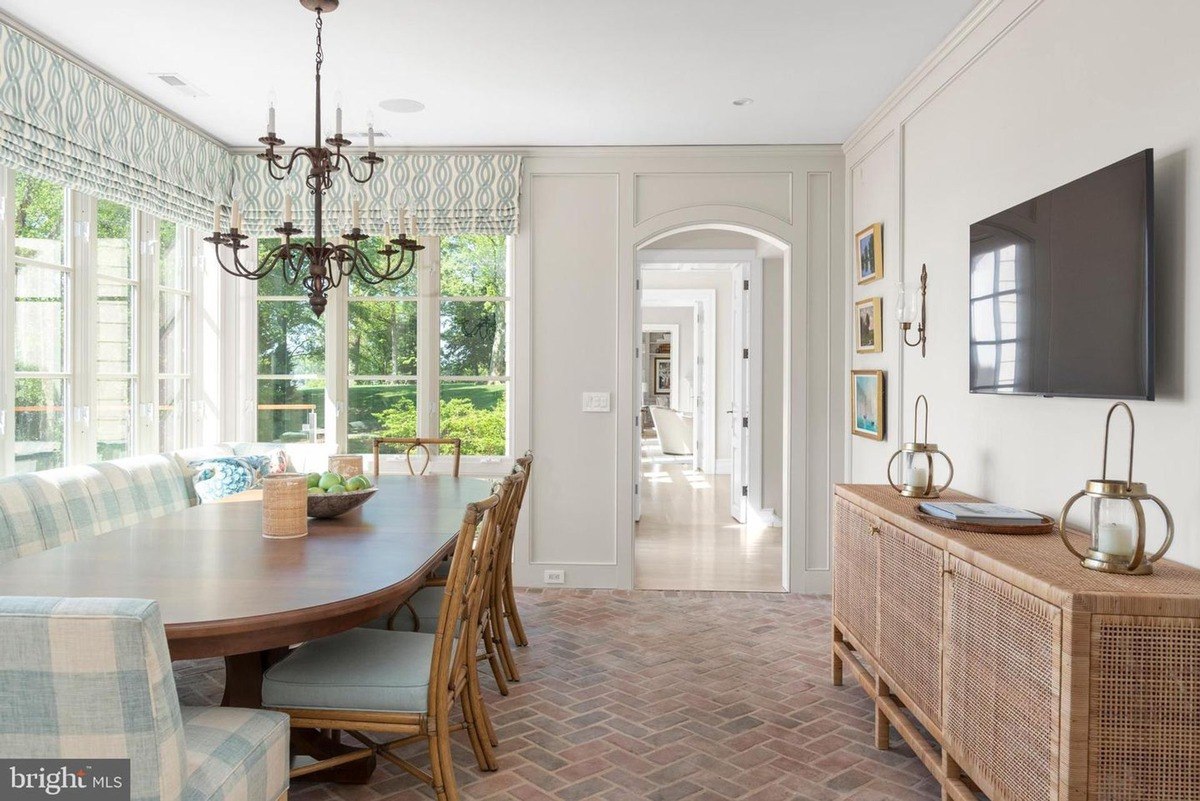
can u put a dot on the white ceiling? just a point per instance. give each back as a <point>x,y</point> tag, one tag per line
<point>520,72</point>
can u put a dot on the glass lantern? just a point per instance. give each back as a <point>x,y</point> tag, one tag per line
<point>1118,520</point>
<point>917,463</point>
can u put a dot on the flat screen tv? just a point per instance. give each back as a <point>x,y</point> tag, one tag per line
<point>1062,289</point>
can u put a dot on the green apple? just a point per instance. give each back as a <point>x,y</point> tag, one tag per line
<point>313,479</point>
<point>315,491</point>
<point>329,480</point>
<point>335,490</point>
<point>357,483</point>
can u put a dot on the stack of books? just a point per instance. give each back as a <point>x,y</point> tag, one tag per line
<point>981,513</point>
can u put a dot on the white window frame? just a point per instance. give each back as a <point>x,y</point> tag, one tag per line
<point>79,366</point>
<point>427,379</point>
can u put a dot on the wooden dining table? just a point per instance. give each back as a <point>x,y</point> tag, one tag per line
<point>226,591</point>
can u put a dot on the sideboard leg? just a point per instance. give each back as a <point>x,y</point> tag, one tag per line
<point>837,660</point>
<point>883,728</point>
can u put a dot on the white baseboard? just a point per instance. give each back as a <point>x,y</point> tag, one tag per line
<point>722,467</point>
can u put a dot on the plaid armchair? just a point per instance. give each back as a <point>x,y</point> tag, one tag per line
<point>90,678</point>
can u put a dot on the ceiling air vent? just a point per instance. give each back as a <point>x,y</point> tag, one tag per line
<point>179,84</point>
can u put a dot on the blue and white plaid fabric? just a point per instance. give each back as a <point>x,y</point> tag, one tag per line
<point>44,510</point>
<point>90,678</point>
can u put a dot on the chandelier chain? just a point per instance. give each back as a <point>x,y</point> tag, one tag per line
<point>320,49</point>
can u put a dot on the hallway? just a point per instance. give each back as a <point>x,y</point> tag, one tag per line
<point>686,539</point>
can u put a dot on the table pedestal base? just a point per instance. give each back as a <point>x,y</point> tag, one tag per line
<point>243,688</point>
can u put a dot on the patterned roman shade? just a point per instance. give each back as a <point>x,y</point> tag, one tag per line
<point>62,122</point>
<point>450,194</point>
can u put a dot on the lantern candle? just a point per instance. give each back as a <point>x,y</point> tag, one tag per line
<point>1115,538</point>
<point>916,468</point>
<point>918,475</point>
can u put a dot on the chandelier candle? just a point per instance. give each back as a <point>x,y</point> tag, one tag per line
<point>317,265</point>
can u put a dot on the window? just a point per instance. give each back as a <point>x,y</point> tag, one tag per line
<point>473,354</point>
<point>381,347</point>
<point>116,331</point>
<point>174,346</point>
<point>82,300</point>
<point>423,356</point>
<point>291,361</point>
<point>42,297</point>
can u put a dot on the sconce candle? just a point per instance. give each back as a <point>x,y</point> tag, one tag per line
<point>1118,522</point>
<point>916,469</point>
<point>910,308</point>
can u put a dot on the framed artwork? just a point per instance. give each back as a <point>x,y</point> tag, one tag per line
<point>867,411</point>
<point>662,375</point>
<point>868,250</point>
<point>868,336</point>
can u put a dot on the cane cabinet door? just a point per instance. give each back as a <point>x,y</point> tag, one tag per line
<point>855,561</point>
<point>910,618</point>
<point>1002,679</point>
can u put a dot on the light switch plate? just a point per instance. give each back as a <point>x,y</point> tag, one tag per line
<point>596,402</point>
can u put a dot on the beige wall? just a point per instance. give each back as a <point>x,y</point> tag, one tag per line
<point>583,215</point>
<point>1031,95</point>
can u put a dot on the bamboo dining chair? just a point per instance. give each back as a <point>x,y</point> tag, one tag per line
<point>403,684</point>
<point>411,444</point>
<point>420,612</point>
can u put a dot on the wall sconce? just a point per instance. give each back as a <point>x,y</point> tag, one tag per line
<point>1118,527</point>
<point>910,308</point>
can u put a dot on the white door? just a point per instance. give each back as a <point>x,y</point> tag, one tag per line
<point>739,414</point>
<point>638,376</point>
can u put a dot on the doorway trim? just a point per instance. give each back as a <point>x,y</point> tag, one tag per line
<point>794,415</point>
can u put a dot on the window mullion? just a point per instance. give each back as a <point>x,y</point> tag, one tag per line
<point>146,341</point>
<point>8,310</point>
<point>429,338</point>
<point>80,359</point>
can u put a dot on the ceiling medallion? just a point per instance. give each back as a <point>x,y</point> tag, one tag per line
<point>317,265</point>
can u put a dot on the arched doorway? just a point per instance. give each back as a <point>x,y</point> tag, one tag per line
<point>711,395</point>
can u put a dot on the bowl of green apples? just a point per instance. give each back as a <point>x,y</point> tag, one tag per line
<point>332,494</point>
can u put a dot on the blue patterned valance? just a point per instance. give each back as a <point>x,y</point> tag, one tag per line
<point>61,122</point>
<point>450,194</point>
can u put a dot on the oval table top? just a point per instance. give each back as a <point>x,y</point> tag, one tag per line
<point>224,589</point>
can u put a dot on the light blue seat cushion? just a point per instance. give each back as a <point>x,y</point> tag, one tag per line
<point>363,669</point>
<point>235,754</point>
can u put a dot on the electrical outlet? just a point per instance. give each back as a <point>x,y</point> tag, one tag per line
<point>554,576</point>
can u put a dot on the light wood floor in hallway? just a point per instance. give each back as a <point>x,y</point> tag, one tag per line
<point>687,540</point>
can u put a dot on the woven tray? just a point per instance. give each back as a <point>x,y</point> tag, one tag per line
<point>1044,527</point>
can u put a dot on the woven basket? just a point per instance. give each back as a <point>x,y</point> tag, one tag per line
<point>347,464</point>
<point>285,506</point>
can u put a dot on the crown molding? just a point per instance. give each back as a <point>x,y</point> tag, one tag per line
<point>54,47</point>
<point>915,78</point>
<point>602,151</point>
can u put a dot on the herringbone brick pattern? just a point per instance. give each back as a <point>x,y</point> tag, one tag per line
<point>662,696</point>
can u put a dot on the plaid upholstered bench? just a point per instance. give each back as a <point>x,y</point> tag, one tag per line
<point>43,510</point>
<point>90,678</point>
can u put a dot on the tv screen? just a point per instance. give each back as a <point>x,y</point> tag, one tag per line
<point>1062,289</point>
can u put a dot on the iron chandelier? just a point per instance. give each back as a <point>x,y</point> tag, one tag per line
<point>317,265</point>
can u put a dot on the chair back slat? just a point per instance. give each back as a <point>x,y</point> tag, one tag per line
<point>451,639</point>
<point>411,444</point>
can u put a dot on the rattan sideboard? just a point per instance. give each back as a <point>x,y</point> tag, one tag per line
<point>1010,669</point>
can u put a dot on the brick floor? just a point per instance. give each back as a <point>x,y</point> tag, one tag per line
<point>661,696</point>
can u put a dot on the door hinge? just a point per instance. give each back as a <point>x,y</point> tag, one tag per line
<point>636,489</point>
<point>745,490</point>
<point>745,422</point>
<point>746,284</point>
<point>637,353</point>
<point>637,284</point>
<point>745,353</point>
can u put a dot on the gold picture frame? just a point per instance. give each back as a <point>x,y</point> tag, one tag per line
<point>868,253</point>
<point>868,328</point>
<point>868,412</point>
